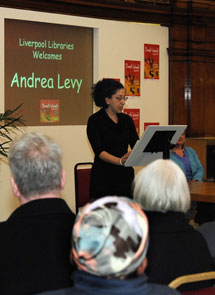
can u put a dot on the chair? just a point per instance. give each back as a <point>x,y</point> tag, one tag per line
<point>82,184</point>
<point>195,278</point>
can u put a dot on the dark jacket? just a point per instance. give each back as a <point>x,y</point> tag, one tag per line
<point>34,248</point>
<point>175,249</point>
<point>87,284</point>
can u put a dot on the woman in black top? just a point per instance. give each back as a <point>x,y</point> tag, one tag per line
<point>110,133</point>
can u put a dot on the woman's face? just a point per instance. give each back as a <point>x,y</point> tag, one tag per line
<point>117,101</point>
<point>181,140</point>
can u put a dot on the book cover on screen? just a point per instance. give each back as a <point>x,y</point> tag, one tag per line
<point>49,111</point>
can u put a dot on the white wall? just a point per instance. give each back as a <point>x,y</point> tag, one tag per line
<point>114,42</point>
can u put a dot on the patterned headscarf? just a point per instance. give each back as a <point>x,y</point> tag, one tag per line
<point>110,237</point>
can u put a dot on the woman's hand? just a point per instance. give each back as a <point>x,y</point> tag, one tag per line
<point>113,159</point>
<point>124,158</point>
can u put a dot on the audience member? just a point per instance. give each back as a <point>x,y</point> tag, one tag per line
<point>186,158</point>
<point>207,229</point>
<point>176,248</point>
<point>109,246</point>
<point>35,240</point>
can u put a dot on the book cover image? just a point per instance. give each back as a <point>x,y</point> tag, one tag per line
<point>132,78</point>
<point>49,111</point>
<point>117,79</point>
<point>146,124</point>
<point>135,115</point>
<point>151,61</point>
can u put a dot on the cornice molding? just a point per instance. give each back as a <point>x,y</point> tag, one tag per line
<point>162,12</point>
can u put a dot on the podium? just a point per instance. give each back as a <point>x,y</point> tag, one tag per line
<point>155,143</point>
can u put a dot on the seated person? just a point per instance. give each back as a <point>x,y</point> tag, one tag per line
<point>187,160</point>
<point>109,246</point>
<point>176,248</point>
<point>35,239</point>
<point>207,229</point>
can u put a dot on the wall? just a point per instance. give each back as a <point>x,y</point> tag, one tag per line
<point>114,42</point>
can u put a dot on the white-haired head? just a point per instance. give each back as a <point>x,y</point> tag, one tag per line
<point>162,186</point>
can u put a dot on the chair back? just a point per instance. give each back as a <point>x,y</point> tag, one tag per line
<point>195,278</point>
<point>204,291</point>
<point>82,183</point>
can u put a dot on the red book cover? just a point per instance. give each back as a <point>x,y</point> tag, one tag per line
<point>146,124</point>
<point>49,111</point>
<point>135,115</point>
<point>117,79</point>
<point>132,78</point>
<point>151,61</point>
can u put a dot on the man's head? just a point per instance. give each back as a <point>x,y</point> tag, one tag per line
<point>35,163</point>
<point>110,238</point>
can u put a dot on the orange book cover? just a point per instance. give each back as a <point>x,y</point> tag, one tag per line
<point>135,115</point>
<point>132,78</point>
<point>49,111</point>
<point>151,61</point>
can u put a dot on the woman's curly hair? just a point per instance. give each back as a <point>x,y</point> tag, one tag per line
<point>104,88</point>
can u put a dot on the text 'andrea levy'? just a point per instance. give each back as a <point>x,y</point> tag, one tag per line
<point>44,82</point>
